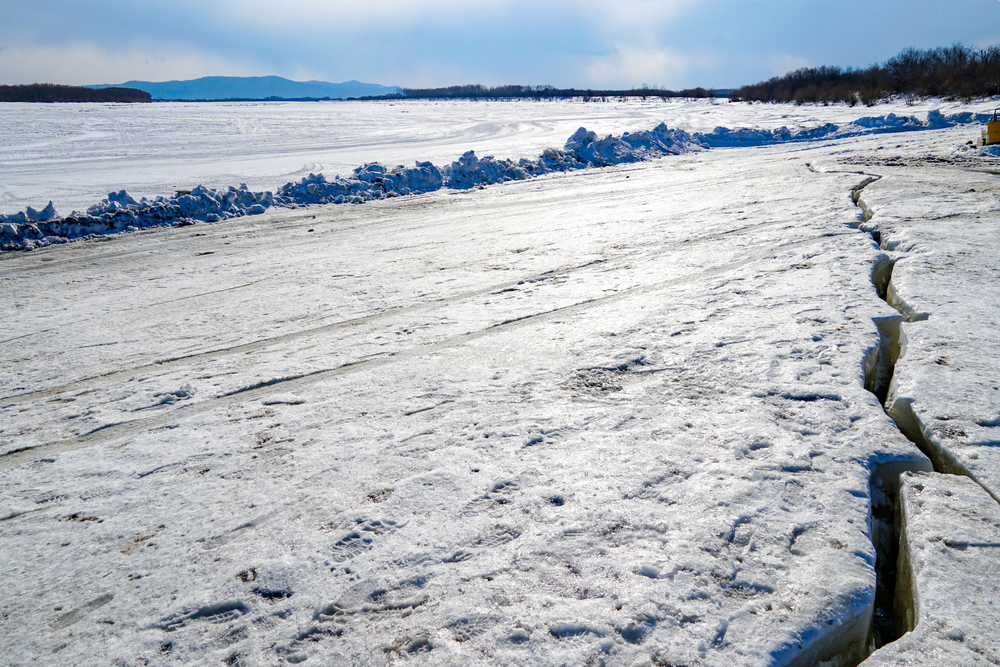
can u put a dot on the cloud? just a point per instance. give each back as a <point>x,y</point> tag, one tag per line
<point>405,15</point>
<point>360,18</point>
<point>581,43</point>
<point>637,20</point>
<point>399,42</point>
<point>83,63</point>
<point>628,67</point>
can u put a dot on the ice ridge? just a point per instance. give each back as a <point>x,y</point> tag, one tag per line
<point>120,212</point>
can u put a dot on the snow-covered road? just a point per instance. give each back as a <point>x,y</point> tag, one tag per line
<point>614,416</point>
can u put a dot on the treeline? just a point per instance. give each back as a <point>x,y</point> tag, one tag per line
<point>50,92</point>
<point>956,72</point>
<point>477,91</point>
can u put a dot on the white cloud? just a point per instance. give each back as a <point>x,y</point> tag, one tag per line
<point>637,20</point>
<point>444,41</point>
<point>610,18</point>
<point>82,64</point>
<point>354,17</point>
<point>627,66</point>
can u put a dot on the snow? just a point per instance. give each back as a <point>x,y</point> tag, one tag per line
<point>607,414</point>
<point>936,221</point>
<point>121,212</point>
<point>950,524</point>
<point>74,154</point>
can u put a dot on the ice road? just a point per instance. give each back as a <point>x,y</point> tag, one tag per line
<point>637,415</point>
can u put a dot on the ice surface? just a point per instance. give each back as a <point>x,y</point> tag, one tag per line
<point>938,218</point>
<point>951,536</point>
<point>614,414</point>
<point>120,212</point>
<point>74,154</point>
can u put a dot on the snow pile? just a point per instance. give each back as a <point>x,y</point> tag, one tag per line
<point>469,171</point>
<point>893,123</point>
<point>583,149</point>
<point>631,147</point>
<point>724,137</point>
<point>371,181</point>
<point>31,215</point>
<point>121,212</point>
<point>424,177</point>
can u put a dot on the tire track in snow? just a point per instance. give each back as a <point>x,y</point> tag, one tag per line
<point>356,221</point>
<point>86,252</point>
<point>118,430</point>
<point>143,307</point>
<point>246,348</point>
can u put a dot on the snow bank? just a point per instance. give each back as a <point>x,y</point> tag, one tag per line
<point>726,137</point>
<point>371,181</point>
<point>120,212</point>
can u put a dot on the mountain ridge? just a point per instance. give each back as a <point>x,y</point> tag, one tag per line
<point>219,88</point>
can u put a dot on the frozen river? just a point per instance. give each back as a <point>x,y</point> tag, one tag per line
<point>634,415</point>
<point>74,154</point>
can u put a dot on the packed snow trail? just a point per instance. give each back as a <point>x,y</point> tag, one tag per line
<point>241,394</point>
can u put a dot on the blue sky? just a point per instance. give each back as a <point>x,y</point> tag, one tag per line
<point>564,43</point>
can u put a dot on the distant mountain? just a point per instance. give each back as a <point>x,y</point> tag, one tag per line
<point>253,88</point>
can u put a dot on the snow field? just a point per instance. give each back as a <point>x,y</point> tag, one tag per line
<point>120,211</point>
<point>612,415</point>
<point>75,154</point>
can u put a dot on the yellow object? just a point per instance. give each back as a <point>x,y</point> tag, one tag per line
<point>991,135</point>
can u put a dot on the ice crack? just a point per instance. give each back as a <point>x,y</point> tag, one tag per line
<point>893,606</point>
<point>881,364</point>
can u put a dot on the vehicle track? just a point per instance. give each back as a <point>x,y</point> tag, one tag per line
<point>245,348</point>
<point>119,430</point>
<point>611,261</point>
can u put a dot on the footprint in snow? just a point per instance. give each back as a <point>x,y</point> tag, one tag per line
<point>362,538</point>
